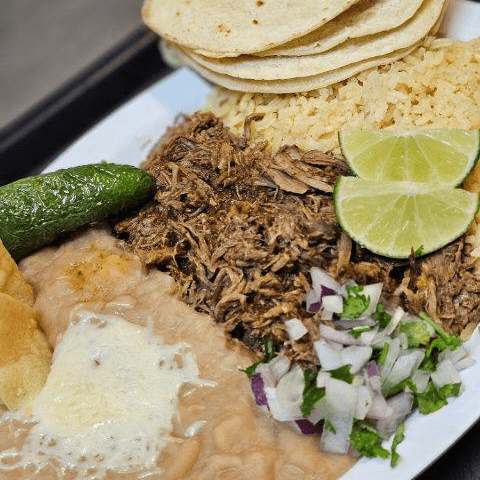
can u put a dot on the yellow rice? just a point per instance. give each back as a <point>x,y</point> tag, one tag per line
<point>437,86</point>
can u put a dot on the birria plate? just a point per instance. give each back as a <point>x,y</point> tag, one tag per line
<point>127,135</point>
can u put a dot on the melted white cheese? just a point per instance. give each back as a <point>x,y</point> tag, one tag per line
<point>109,399</point>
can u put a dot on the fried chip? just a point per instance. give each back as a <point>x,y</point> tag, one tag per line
<point>24,352</point>
<point>12,282</point>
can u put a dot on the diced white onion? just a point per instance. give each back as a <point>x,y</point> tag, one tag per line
<point>391,357</point>
<point>356,356</point>
<point>379,408</point>
<point>403,368</point>
<point>401,405</point>
<point>284,401</point>
<point>396,317</point>
<point>295,328</point>
<point>328,356</point>
<point>311,298</point>
<point>320,277</point>
<point>465,363</point>
<point>364,401</point>
<point>459,357</point>
<point>338,336</point>
<point>265,371</point>
<point>327,315</point>
<point>420,378</point>
<point>373,291</point>
<point>279,366</point>
<point>367,338</point>
<point>347,324</point>
<point>445,373</point>
<point>333,303</point>
<point>338,442</point>
<point>340,403</point>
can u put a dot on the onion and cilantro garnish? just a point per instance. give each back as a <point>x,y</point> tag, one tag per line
<point>375,367</point>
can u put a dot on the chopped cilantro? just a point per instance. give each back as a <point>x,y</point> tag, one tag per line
<point>342,373</point>
<point>417,333</point>
<point>251,369</point>
<point>433,399</point>
<point>450,389</point>
<point>269,350</point>
<point>383,353</point>
<point>451,342</point>
<point>311,393</point>
<point>356,331</point>
<point>367,441</point>
<point>328,425</point>
<point>401,386</point>
<point>419,251</point>
<point>430,361</point>
<point>443,342</point>
<point>397,439</point>
<point>355,303</point>
<point>381,316</point>
<point>269,346</point>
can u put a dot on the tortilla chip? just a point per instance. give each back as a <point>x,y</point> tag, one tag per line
<point>21,381</point>
<point>24,352</point>
<point>12,282</point>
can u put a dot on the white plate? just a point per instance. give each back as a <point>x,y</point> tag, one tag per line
<point>127,135</point>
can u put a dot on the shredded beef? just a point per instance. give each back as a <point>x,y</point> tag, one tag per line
<point>445,286</point>
<point>239,230</point>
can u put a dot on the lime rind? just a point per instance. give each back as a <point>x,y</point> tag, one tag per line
<point>418,215</point>
<point>445,157</point>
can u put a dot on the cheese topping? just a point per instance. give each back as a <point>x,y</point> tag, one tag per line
<point>109,399</point>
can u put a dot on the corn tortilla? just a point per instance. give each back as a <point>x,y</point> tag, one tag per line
<point>366,17</point>
<point>238,26</point>
<point>351,52</point>
<point>291,85</point>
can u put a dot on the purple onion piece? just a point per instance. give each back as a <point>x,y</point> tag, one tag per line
<point>372,369</point>
<point>308,428</point>
<point>327,291</point>
<point>258,389</point>
<point>315,307</point>
<point>314,301</point>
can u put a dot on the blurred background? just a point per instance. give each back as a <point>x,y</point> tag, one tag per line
<point>46,42</point>
<point>64,65</point>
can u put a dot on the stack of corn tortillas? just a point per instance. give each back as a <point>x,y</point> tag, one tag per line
<point>274,46</point>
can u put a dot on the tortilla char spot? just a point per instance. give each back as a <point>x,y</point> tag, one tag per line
<point>260,3</point>
<point>255,22</point>
<point>223,29</point>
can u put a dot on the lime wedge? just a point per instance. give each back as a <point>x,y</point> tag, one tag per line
<point>391,218</point>
<point>444,157</point>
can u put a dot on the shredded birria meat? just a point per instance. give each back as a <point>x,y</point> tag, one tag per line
<point>239,230</point>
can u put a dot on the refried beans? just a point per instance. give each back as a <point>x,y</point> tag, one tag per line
<point>235,440</point>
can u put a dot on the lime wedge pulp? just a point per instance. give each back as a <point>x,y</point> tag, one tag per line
<point>444,157</point>
<point>390,218</point>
